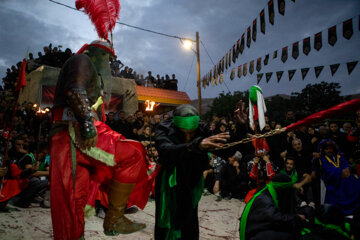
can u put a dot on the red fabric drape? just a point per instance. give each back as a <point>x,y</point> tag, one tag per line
<point>328,113</point>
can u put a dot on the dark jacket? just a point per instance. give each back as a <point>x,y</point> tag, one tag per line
<point>264,216</point>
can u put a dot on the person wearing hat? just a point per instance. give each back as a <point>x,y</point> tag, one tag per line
<point>182,143</point>
<point>85,153</point>
<point>342,186</point>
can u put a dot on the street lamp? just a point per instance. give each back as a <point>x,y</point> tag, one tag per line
<point>187,43</point>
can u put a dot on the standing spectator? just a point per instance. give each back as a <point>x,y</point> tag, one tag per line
<point>289,118</point>
<point>339,138</point>
<point>346,128</point>
<point>138,124</point>
<point>149,80</point>
<point>111,122</point>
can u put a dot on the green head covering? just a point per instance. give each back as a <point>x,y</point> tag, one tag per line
<point>186,117</point>
<point>279,181</point>
<point>253,93</point>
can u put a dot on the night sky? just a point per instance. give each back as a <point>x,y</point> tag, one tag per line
<point>36,23</point>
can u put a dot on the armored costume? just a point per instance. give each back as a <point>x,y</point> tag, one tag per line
<point>85,153</point>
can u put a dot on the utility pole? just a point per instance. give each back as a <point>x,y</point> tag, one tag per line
<point>198,72</point>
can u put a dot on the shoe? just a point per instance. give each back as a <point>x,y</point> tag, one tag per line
<point>115,222</point>
<point>227,198</point>
<point>45,204</point>
<point>218,198</point>
<point>37,199</point>
<point>206,192</point>
<point>312,204</point>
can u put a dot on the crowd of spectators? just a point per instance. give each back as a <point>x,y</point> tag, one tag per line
<point>164,82</point>
<point>303,153</point>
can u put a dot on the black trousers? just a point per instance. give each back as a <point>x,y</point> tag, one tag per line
<point>36,186</point>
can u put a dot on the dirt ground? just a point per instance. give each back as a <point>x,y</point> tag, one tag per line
<point>218,220</point>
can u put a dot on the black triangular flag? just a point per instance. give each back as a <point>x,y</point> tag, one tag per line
<point>268,76</point>
<point>291,74</point>
<point>351,66</point>
<point>262,21</point>
<point>210,76</point>
<point>334,68</point>
<point>348,29</point>
<point>304,71</point>
<point>259,77</point>
<point>239,71</point>
<point>234,54</point>
<point>284,54</point>
<point>258,64</point>
<point>293,0</point>
<point>275,54</point>
<point>237,51</point>
<point>219,67</point>
<point>251,68</point>
<point>254,31</point>
<point>271,12</point>
<point>281,7</point>
<point>332,36</point>
<point>295,50</point>
<point>266,60</point>
<point>248,37</point>
<point>318,70</point>
<point>279,75</point>
<point>318,41</point>
<point>242,44</point>
<point>306,46</point>
<point>226,60</point>
<point>244,69</point>
<point>229,62</point>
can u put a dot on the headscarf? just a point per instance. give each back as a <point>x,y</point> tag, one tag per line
<point>186,117</point>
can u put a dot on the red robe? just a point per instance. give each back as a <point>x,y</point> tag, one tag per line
<point>115,157</point>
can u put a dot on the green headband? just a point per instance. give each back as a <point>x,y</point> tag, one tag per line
<point>189,123</point>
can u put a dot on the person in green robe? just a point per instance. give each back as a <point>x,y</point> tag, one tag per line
<point>182,143</point>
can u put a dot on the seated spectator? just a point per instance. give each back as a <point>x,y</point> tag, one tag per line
<point>21,184</point>
<point>342,187</point>
<point>213,181</point>
<point>301,183</point>
<point>222,127</point>
<point>234,178</point>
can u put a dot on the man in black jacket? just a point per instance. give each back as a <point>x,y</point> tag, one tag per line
<point>182,143</point>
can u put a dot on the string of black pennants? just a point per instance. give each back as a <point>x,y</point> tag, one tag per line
<point>215,75</point>
<point>304,71</point>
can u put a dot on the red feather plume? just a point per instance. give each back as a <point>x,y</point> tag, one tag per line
<point>102,13</point>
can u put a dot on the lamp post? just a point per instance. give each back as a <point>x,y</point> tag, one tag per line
<point>188,44</point>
